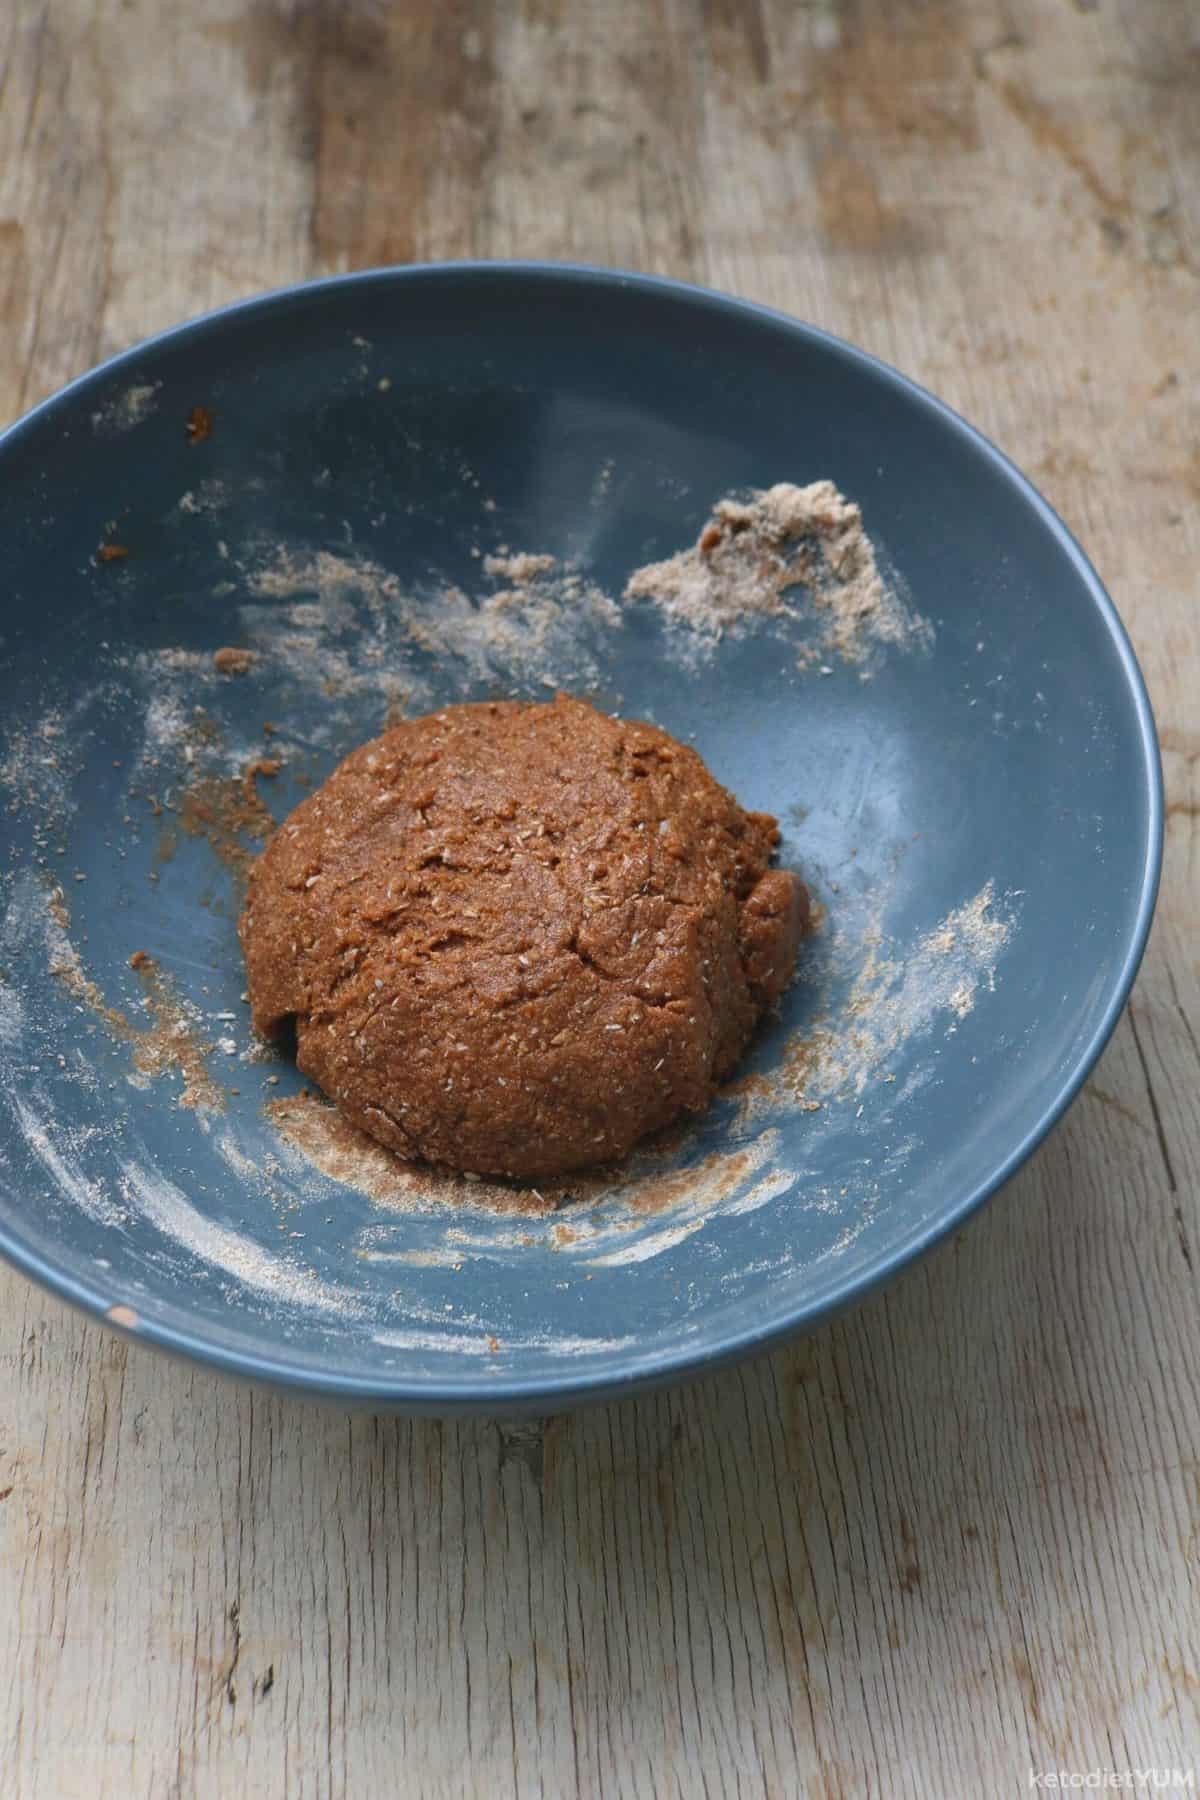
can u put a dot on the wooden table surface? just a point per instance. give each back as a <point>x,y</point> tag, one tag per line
<point>954,1537</point>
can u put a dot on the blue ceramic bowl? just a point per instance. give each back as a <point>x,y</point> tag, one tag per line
<point>978,811</point>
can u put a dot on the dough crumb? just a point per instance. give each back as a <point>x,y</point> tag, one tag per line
<point>232,661</point>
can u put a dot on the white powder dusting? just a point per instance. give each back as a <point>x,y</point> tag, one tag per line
<point>450,1343</point>
<point>563,1344</point>
<point>36,770</point>
<point>652,1243</point>
<point>487,1343</point>
<point>57,1149</point>
<point>897,998</point>
<point>440,1257</point>
<point>35,921</point>
<point>343,628</point>
<point>771,1187</point>
<point>207,499</point>
<point>754,556</point>
<point>169,1209</point>
<point>128,409</point>
<point>25,916</point>
<point>165,721</point>
<point>353,625</point>
<point>12,1016</point>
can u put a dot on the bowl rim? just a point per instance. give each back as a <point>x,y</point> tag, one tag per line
<point>476,1391</point>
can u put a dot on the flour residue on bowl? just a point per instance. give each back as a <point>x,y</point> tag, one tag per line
<point>333,644</point>
<point>754,556</point>
<point>786,557</point>
<point>63,959</point>
<point>896,996</point>
<point>129,408</point>
<point>330,1144</point>
<point>352,626</point>
<point>58,1149</point>
<point>45,747</point>
<point>402,1319</point>
<point>164,1033</point>
<point>649,1183</point>
<point>279,1277</point>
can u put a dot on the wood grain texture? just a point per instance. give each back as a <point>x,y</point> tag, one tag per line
<point>956,1535</point>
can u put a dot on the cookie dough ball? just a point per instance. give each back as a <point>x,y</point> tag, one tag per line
<point>515,938</point>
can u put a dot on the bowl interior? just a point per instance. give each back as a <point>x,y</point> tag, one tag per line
<point>975,812</point>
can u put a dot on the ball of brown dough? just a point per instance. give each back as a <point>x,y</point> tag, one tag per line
<point>515,938</point>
